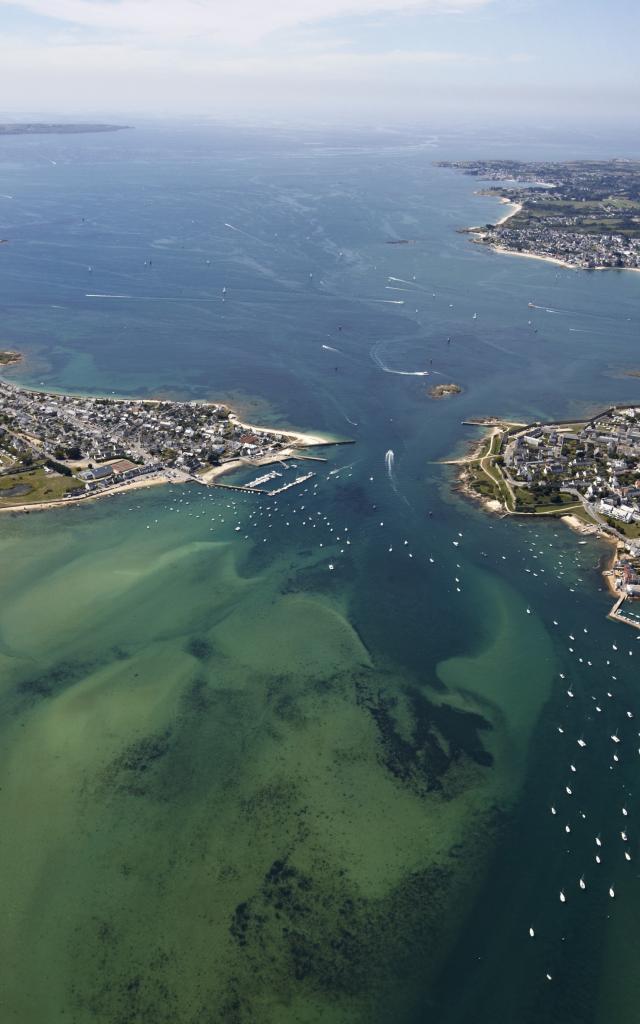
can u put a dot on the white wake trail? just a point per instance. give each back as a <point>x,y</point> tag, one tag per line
<point>401,373</point>
<point>390,461</point>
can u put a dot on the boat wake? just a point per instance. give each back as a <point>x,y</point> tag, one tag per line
<point>401,373</point>
<point>330,348</point>
<point>389,461</point>
<point>241,231</point>
<point>413,285</point>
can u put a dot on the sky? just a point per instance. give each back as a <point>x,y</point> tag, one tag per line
<point>380,60</point>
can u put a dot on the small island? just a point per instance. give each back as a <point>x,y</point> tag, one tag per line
<point>57,449</point>
<point>583,215</point>
<point>9,358</point>
<point>444,390</point>
<point>586,473</point>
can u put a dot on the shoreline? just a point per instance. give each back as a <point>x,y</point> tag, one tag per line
<point>479,232</point>
<point>549,259</point>
<point>294,440</point>
<point>154,480</point>
<point>171,476</point>
<point>174,476</point>
<point>304,439</point>
<point>537,256</point>
<point>512,213</point>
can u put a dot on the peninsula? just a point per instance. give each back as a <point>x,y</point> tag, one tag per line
<point>584,215</point>
<point>55,449</point>
<point>587,473</point>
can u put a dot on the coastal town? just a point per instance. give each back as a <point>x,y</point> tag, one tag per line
<point>584,215</point>
<point>587,472</point>
<point>61,448</point>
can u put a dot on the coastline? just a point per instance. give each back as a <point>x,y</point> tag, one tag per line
<point>480,233</point>
<point>537,256</point>
<point>174,476</point>
<point>494,506</point>
<point>301,438</point>
<point>295,440</point>
<point>154,480</point>
<point>517,207</point>
<point>546,259</point>
<point>171,476</point>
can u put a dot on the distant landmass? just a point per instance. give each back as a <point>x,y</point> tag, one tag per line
<point>58,129</point>
<point>582,214</point>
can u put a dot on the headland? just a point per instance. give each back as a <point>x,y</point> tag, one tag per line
<point>585,473</point>
<point>581,215</point>
<point>58,449</point>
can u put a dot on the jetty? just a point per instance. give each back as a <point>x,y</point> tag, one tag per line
<point>619,616</point>
<point>309,458</point>
<point>241,487</point>
<point>293,483</point>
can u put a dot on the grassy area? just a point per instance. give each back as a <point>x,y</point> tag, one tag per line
<point>593,217</point>
<point>35,486</point>
<point>500,488</point>
<point>557,510</point>
<point>630,530</point>
<point>529,501</point>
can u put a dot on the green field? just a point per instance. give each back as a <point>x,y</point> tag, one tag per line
<point>630,530</point>
<point>34,486</point>
<point>594,217</point>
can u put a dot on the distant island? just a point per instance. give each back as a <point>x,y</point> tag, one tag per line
<point>584,215</point>
<point>586,473</point>
<point>42,128</point>
<point>56,449</point>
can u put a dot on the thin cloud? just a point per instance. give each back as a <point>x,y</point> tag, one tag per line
<point>241,22</point>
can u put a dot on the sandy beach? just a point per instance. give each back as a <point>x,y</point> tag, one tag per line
<point>512,213</point>
<point>546,259</point>
<point>534,256</point>
<point>297,436</point>
<point>579,526</point>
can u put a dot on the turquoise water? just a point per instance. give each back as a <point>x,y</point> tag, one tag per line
<point>238,784</point>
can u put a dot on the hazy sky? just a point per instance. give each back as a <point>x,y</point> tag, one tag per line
<point>381,59</point>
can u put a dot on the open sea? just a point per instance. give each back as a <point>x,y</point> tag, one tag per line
<point>293,759</point>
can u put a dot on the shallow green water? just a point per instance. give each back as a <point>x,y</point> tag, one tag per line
<point>240,785</point>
